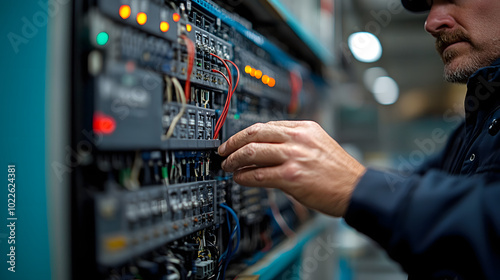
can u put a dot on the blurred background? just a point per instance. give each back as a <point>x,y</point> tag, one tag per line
<point>387,118</point>
<point>387,103</point>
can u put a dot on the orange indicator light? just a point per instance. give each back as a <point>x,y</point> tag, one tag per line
<point>272,82</point>
<point>265,79</point>
<point>176,17</point>
<point>252,72</point>
<point>125,11</point>
<point>248,69</point>
<point>189,27</point>
<point>142,18</point>
<point>164,26</point>
<point>258,74</point>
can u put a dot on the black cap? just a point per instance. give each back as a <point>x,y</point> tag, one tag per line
<point>416,5</point>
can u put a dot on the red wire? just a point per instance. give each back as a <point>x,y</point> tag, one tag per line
<point>268,241</point>
<point>227,67</point>
<point>238,71</point>
<point>235,86</point>
<point>225,77</point>
<point>222,118</point>
<point>230,92</point>
<point>227,99</point>
<point>216,129</point>
<point>191,50</point>
<point>230,95</point>
<point>296,85</point>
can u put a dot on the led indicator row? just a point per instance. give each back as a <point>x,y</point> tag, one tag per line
<point>259,75</point>
<point>125,12</point>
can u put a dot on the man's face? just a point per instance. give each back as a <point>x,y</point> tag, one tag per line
<point>467,35</point>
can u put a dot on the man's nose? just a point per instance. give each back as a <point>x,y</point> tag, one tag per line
<point>439,18</point>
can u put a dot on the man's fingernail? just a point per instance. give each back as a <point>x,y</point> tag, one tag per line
<point>223,164</point>
<point>222,148</point>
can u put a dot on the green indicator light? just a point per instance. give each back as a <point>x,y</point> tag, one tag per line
<point>102,38</point>
<point>237,116</point>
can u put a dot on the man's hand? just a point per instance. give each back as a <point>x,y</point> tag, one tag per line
<point>299,158</point>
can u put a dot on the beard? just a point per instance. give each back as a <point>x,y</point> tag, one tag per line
<point>471,62</point>
<point>461,73</point>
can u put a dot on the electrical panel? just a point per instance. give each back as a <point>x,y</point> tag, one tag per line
<point>161,84</point>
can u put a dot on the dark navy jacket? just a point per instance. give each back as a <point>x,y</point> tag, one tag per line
<point>443,221</point>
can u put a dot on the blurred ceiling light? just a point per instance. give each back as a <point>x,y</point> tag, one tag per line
<point>385,90</point>
<point>365,46</point>
<point>371,74</point>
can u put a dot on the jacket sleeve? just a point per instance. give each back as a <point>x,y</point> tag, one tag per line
<point>434,224</point>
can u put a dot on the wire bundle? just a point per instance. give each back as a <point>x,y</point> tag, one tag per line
<point>181,97</point>
<point>230,92</point>
<point>228,254</point>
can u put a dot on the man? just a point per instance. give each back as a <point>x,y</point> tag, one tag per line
<point>443,221</point>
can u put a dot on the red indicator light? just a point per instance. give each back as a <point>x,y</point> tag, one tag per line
<point>125,11</point>
<point>176,17</point>
<point>142,18</point>
<point>103,124</point>
<point>164,26</point>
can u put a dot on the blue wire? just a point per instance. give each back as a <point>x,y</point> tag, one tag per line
<point>237,224</point>
<point>230,236</point>
<point>229,250</point>
<point>227,254</point>
<point>228,257</point>
<point>231,211</point>
<point>228,223</point>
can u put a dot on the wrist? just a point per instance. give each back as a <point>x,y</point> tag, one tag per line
<point>358,173</point>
